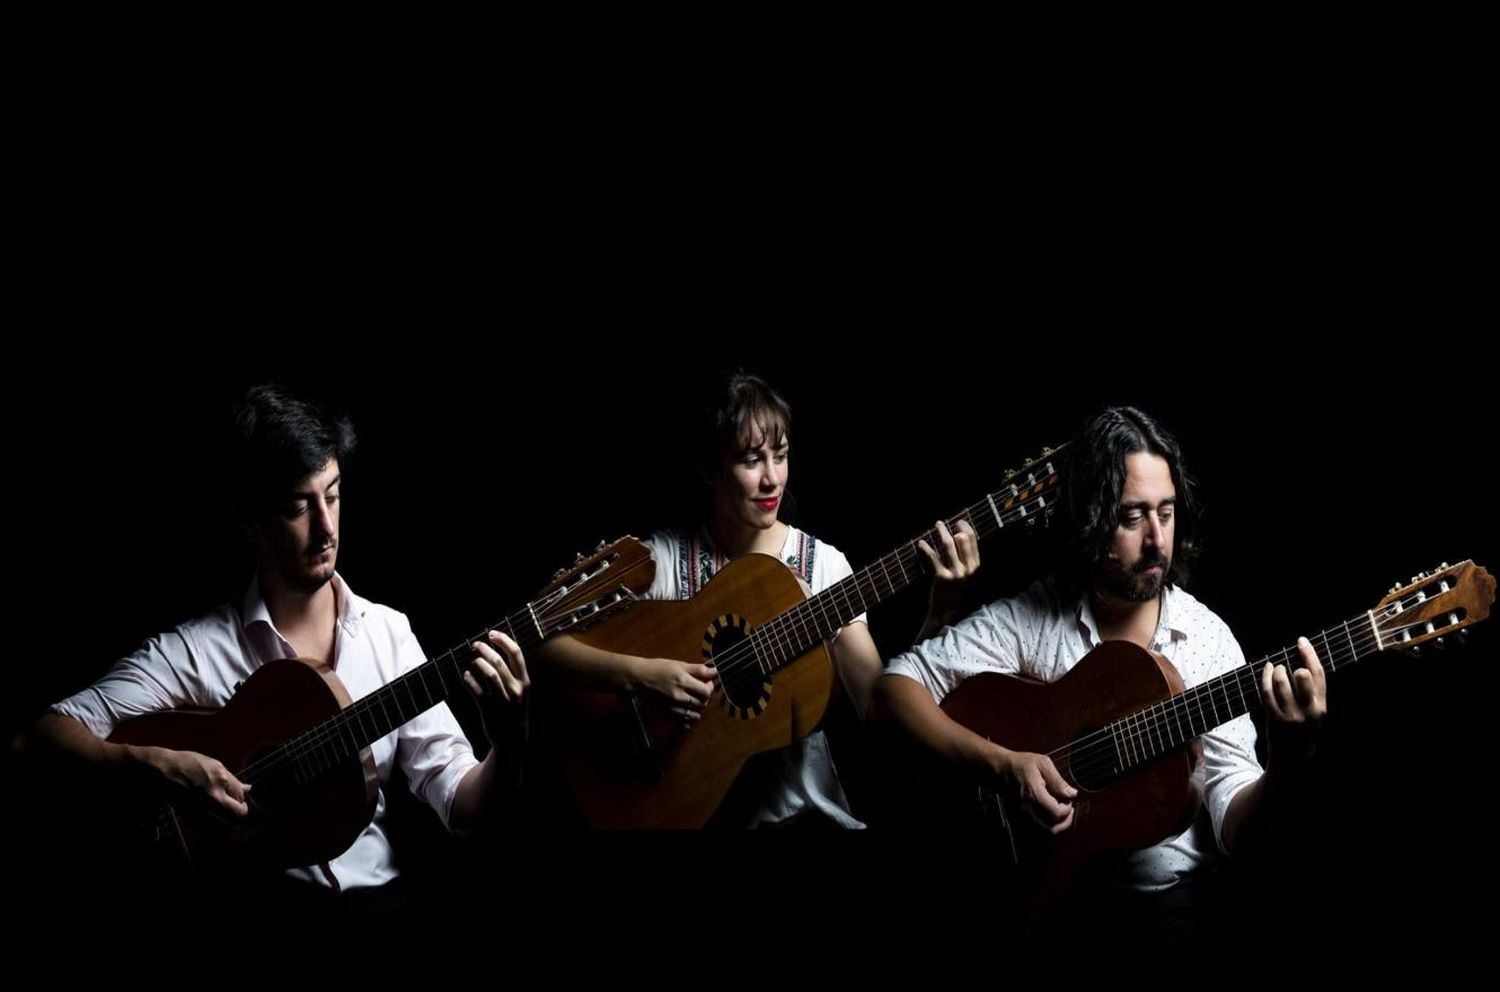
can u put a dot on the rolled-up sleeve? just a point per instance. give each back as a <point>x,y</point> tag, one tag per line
<point>1229,762</point>
<point>432,749</point>
<point>158,676</point>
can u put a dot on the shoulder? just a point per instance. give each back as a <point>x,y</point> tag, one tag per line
<point>666,543</point>
<point>377,618</point>
<point>221,625</point>
<point>1048,599</point>
<point>817,561</point>
<point>221,619</point>
<point>1189,614</point>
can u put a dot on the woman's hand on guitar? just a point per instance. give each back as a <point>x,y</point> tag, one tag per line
<point>204,778</point>
<point>953,563</point>
<point>498,679</point>
<point>1045,794</point>
<point>684,687</point>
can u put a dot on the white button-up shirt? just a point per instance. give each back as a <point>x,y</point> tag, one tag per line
<point>200,663</point>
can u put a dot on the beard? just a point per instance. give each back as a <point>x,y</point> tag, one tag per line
<point>308,577</point>
<point>1133,584</point>
<point>313,581</point>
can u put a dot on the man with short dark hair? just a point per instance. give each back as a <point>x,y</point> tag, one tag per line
<point>288,461</point>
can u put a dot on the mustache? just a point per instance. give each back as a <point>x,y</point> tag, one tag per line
<point>1157,560</point>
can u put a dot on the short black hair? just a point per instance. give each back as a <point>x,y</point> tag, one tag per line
<point>279,439</point>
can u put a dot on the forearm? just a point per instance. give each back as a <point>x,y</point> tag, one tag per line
<point>859,665</point>
<point>1255,811</point>
<point>906,706</point>
<point>938,616</point>
<point>61,744</point>
<point>488,791</point>
<point>595,665</point>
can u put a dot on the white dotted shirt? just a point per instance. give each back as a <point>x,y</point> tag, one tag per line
<point>1037,635</point>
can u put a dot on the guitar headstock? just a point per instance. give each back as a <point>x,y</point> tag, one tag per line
<point>611,578</point>
<point>1031,490</point>
<point>1433,605</point>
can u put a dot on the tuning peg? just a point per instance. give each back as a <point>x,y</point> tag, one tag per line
<point>1439,644</point>
<point>1463,636</point>
<point>1443,567</point>
<point>1396,587</point>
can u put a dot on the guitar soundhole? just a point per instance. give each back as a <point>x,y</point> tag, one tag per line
<point>743,690</point>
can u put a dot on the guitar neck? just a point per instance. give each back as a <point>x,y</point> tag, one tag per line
<point>1170,724</point>
<point>790,635</point>
<point>368,719</point>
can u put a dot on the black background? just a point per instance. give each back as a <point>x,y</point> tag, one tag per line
<point>515,327</point>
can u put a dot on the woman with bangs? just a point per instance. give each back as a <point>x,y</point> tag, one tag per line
<point>743,459</point>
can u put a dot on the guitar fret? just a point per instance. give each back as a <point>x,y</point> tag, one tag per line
<point>415,708</point>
